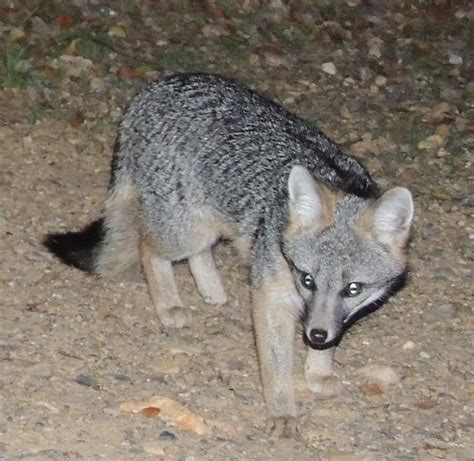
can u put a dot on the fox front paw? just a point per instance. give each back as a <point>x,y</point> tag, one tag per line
<point>282,426</point>
<point>325,387</point>
<point>175,317</point>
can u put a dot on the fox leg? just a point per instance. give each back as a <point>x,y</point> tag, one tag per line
<point>161,282</point>
<point>274,305</point>
<point>319,373</point>
<point>207,278</point>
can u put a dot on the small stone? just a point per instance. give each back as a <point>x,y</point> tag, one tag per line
<point>408,346</point>
<point>154,448</point>
<point>380,374</point>
<point>41,370</point>
<point>442,131</point>
<point>85,380</point>
<point>380,80</point>
<point>439,314</point>
<point>443,153</point>
<point>167,435</point>
<point>329,68</point>
<point>455,59</point>
<point>430,142</point>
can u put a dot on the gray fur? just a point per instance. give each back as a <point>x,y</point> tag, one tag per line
<point>200,144</point>
<point>200,157</point>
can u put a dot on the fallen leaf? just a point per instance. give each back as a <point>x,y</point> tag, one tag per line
<point>468,128</point>
<point>71,48</point>
<point>118,31</point>
<point>380,80</point>
<point>171,412</point>
<point>442,131</point>
<point>427,404</point>
<point>64,21</point>
<point>421,48</point>
<point>274,55</point>
<point>76,65</point>
<point>430,142</point>
<point>17,34</point>
<point>441,113</point>
<point>77,120</point>
<point>150,412</point>
<point>370,389</point>
<point>134,72</point>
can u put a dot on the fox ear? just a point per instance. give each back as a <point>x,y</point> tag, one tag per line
<point>392,216</point>
<point>308,200</point>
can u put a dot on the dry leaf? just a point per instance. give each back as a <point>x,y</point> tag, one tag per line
<point>117,31</point>
<point>17,34</point>
<point>64,21</point>
<point>380,80</point>
<point>171,412</point>
<point>274,55</point>
<point>370,389</point>
<point>421,48</point>
<point>76,65</point>
<point>427,404</point>
<point>442,131</point>
<point>431,142</point>
<point>150,412</point>
<point>77,120</point>
<point>441,113</point>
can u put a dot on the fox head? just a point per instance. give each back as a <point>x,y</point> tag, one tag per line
<point>347,253</point>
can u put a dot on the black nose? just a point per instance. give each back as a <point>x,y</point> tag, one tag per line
<point>318,336</point>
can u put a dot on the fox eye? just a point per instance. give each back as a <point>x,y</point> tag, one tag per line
<point>352,289</point>
<point>308,281</point>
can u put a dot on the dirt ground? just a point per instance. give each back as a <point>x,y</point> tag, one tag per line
<point>74,347</point>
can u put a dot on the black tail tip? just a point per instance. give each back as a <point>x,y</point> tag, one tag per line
<point>78,249</point>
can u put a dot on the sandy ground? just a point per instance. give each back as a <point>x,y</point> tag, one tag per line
<point>74,347</point>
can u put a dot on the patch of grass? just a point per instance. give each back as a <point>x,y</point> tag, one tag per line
<point>408,130</point>
<point>231,45</point>
<point>290,36</point>
<point>13,75</point>
<point>180,59</point>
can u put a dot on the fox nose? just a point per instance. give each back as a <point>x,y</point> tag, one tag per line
<point>318,336</point>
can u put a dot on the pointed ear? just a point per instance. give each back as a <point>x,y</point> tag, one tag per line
<point>392,216</point>
<point>310,203</point>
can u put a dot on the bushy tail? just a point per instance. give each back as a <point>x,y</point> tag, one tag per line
<point>79,249</point>
<point>109,245</point>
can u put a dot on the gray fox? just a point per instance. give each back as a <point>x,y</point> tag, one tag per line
<point>200,158</point>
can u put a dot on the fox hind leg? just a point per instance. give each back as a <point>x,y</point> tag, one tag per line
<point>161,282</point>
<point>207,278</point>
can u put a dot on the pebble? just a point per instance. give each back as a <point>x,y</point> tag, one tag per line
<point>154,448</point>
<point>86,380</point>
<point>41,370</point>
<point>408,346</point>
<point>455,59</point>
<point>329,68</point>
<point>167,435</point>
<point>439,313</point>
<point>380,374</point>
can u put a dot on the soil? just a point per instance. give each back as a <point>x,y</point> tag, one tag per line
<point>74,347</point>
